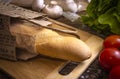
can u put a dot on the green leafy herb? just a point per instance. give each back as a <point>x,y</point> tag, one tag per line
<point>103,15</point>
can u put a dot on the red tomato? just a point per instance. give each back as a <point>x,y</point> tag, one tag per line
<point>112,41</point>
<point>109,58</point>
<point>115,73</point>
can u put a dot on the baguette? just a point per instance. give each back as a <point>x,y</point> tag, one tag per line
<point>49,43</point>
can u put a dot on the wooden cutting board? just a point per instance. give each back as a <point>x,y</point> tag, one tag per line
<point>47,68</point>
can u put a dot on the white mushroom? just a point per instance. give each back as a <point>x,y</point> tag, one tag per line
<point>38,5</point>
<point>81,5</point>
<point>89,1</point>
<point>53,10</point>
<point>67,5</point>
